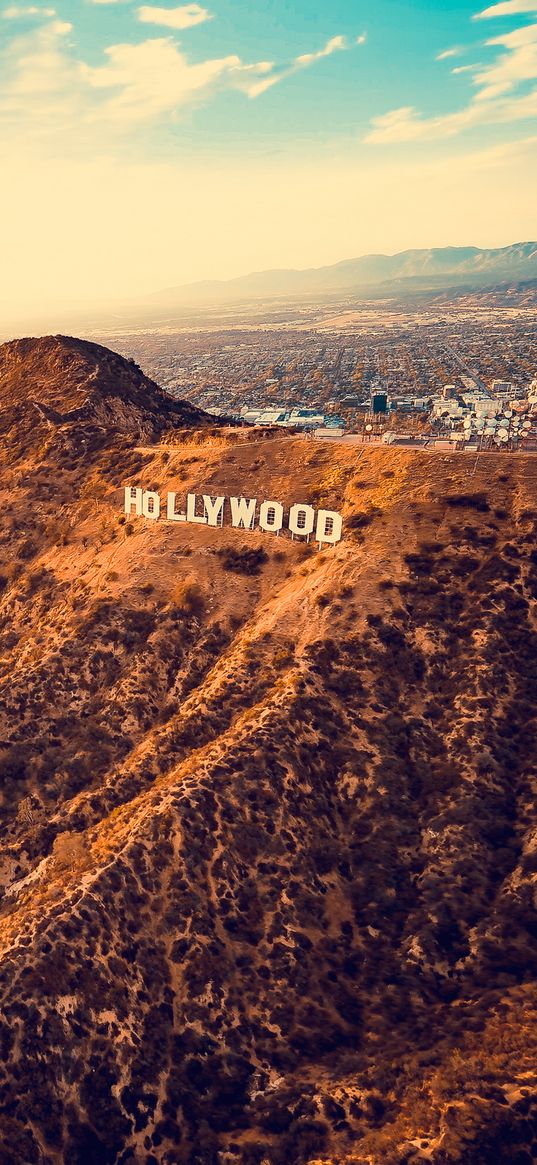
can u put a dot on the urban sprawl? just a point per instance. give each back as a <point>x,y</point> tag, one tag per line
<point>459,382</point>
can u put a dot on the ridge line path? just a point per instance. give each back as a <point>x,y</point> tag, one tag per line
<point>354,439</point>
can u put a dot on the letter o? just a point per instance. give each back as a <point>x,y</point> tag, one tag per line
<point>271,517</point>
<point>151,504</point>
<point>329,527</point>
<point>301,519</point>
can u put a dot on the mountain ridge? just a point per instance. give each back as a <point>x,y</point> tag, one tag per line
<point>79,380</point>
<point>73,397</point>
<point>467,265</point>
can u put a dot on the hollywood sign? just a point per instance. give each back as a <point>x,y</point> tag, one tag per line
<point>244,513</point>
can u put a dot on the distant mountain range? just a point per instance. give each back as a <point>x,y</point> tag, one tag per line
<point>436,268</point>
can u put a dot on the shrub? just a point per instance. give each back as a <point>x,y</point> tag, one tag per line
<point>14,764</point>
<point>189,597</point>
<point>477,501</point>
<point>361,519</point>
<point>246,561</point>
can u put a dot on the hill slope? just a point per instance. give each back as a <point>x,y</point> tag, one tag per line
<point>65,381</point>
<point>436,267</point>
<point>268,827</point>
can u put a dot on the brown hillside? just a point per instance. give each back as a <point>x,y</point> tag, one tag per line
<point>61,382</point>
<point>268,856</point>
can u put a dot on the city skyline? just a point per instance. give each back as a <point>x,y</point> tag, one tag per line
<point>152,145</point>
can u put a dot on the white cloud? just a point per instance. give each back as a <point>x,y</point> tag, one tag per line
<point>42,70</point>
<point>501,94</point>
<point>444,56</point>
<point>331,46</point>
<point>516,65</point>
<point>304,61</point>
<point>399,125</point>
<point>407,124</point>
<point>179,18</point>
<point>143,81</point>
<point>507,8</point>
<point>17,13</point>
<point>46,92</point>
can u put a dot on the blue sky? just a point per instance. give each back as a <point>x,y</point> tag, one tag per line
<point>276,129</point>
<point>336,96</point>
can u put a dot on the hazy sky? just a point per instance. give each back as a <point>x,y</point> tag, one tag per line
<point>144,146</point>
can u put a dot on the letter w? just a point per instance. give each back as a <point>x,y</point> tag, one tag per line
<point>243,512</point>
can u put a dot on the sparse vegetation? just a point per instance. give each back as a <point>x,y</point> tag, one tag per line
<point>243,560</point>
<point>189,597</point>
<point>469,501</point>
<point>266,863</point>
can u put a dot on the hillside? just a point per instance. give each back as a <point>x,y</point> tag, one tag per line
<point>84,389</point>
<point>437,267</point>
<point>268,827</point>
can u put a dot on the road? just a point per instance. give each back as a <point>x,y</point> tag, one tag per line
<point>466,367</point>
<point>357,439</point>
<point>353,439</point>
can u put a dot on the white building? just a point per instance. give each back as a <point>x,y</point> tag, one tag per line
<point>451,408</point>
<point>486,407</point>
<point>264,416</point>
